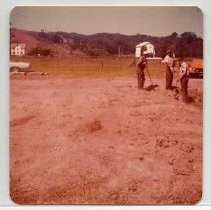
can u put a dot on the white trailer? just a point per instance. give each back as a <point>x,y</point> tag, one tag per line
<point>145,47</point>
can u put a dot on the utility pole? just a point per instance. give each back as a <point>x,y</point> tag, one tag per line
<point>119,51</point>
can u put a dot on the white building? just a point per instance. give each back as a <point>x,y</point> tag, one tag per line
<point>145,47</point>
<point>18,49</point>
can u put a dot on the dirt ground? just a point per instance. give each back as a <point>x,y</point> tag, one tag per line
<point>102,141</point>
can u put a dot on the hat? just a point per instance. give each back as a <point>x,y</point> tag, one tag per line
<point>168,51</point>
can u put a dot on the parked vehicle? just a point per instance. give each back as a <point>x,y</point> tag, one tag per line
<point>19,66</point>
<point>196,68</point>
<point>195,72</point>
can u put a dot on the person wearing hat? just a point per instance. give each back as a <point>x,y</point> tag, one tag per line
<point>168,60</point>
<point>141,65</point>
<point>183,77</point>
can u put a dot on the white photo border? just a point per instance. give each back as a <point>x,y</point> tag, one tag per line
<point>5,8</point>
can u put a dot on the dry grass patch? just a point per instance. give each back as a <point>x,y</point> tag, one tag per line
<point>94,125</point>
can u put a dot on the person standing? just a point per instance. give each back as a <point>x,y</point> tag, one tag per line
<point>183,76</point>
<point>168,60</point>
<point>141,65</point>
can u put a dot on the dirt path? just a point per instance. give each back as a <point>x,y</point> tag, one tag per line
<point>103,141</point>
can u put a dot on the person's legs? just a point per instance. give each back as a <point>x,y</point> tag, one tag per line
<point>184,89</point>
<point>139,80</point>
<point>142,80</point>
<point>186,84</point>
<point>171,78</point>
<point>168,78</point>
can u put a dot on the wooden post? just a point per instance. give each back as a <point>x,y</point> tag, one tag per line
<point>119,51</point>
<point>102,64</point>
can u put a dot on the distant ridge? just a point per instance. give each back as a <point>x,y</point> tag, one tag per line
<point>65,44</point>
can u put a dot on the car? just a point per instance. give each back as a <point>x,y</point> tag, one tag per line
<point>196,68</point>
<point>195,72</point>
<point>19,66</point>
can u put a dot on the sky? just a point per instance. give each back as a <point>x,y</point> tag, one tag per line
<point>154,21</point>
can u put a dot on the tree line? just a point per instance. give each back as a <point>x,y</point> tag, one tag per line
<point>187,44</point>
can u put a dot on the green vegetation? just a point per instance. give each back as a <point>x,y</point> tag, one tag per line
<point>187,44</point>
<point>84,66</point>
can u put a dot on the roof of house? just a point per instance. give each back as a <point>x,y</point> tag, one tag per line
<point>13,45</point>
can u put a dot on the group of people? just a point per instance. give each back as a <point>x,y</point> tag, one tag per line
<point>169,62</point>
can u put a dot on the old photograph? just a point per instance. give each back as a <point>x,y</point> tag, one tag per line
<point>106,105</point>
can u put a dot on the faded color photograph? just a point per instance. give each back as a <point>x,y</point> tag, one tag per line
<point>106,105</point>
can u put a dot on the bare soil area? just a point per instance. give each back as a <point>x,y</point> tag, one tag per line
<point>103,141</point>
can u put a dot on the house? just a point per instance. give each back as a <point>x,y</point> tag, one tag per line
<point>18,49</point>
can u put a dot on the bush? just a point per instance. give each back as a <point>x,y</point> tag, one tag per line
<point>95,52</point>
<point>38,51</point>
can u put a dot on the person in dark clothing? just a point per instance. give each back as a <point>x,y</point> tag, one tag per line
<point>141,65</point>
<point>168,60</point>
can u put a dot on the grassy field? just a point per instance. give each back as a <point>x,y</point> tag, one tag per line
<point>87,135</point>
<point>79,66</point>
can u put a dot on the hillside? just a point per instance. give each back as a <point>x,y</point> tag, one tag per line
<point>186,44</point>
<point>33,40</point>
